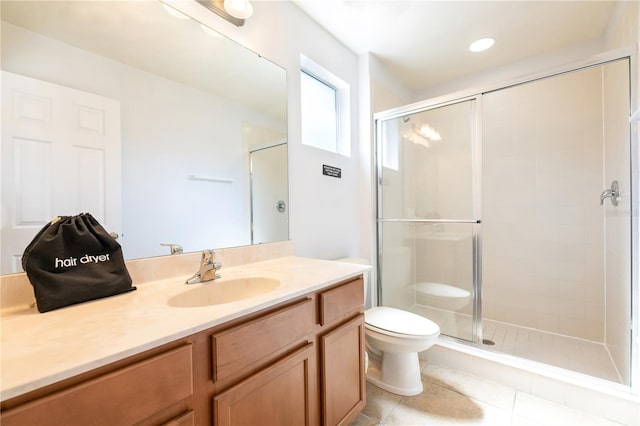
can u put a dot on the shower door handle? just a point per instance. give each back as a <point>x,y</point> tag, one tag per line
<point>613,193</point>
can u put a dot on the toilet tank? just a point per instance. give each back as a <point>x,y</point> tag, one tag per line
<point>367,278</point>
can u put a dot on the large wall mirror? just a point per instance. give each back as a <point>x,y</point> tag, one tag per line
<point>167,132</point>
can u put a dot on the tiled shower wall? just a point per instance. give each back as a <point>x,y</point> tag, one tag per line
<point>543,226</point>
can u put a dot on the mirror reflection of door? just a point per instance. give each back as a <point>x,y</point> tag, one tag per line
<point>269,210</point>
<point>60,156</point>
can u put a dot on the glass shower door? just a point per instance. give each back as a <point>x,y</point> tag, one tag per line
<point>427,216</point>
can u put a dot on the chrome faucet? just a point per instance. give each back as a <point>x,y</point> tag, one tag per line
<point>613,193</point>
<point>174,248</point>
<point>207,270</point>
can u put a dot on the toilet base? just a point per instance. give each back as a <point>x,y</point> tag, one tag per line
<point>398,373</point>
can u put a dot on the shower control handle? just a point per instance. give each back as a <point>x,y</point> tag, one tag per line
<point>613,193</point>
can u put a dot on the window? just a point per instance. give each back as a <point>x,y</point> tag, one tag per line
<point>319,121</point>
<point>324,109</point>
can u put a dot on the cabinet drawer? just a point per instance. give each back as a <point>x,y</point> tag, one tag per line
<point>341,301</point>
<point>255,342</point>
<point>124,396</point>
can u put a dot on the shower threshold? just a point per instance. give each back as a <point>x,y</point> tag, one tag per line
<point>570,353</point>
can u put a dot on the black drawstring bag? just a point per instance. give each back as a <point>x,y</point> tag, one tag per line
<point>73,260</point>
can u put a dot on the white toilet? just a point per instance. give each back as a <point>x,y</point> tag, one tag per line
<point>394,338</point>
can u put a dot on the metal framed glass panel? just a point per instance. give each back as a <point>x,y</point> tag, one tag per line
<point>427,218</point>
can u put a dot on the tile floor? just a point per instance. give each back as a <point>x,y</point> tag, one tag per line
<point>453,397</point>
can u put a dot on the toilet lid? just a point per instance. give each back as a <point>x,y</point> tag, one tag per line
<point>399,321</point>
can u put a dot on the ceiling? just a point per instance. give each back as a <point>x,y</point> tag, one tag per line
<point>144,35</point>
<point>425,43</point>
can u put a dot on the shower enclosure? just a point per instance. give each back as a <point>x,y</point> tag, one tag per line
<point>505,217</point>
<point>268,192</point>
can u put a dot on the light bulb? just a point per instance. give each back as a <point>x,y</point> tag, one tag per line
<point>240,9</point>
<point>482,44</point>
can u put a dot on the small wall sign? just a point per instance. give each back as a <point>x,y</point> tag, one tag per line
<point>331,171</point>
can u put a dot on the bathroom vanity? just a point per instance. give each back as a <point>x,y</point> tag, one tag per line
<point>293,355</point>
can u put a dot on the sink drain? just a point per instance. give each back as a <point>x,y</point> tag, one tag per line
<point>488,342</point>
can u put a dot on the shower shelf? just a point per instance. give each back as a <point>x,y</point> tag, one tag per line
<point>209,179</point>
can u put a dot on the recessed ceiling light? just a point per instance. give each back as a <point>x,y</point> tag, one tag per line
<point>482,44</point>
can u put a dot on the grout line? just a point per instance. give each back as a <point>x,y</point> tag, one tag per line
<point>513,405</point>
<point>615,366</point>
<point>384,419</point>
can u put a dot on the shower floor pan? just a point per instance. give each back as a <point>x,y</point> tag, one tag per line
<point>579,355</point>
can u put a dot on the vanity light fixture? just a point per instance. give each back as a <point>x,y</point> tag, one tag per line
<point>429,132</point>
<point>234,11</point>
<point>481,45</point>
<point>417,141</point>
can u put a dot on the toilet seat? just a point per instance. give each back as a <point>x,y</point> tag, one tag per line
<point>396,322</point>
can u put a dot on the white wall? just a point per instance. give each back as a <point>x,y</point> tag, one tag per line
<point>381,91</point>
<point>324,211</point>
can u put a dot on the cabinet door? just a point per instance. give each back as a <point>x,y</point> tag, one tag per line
<point>343,381</point>
<point>281,394</point>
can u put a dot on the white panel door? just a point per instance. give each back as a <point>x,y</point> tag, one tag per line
<point>60,156</point>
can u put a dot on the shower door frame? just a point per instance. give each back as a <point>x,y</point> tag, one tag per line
<point>476,174</point>
<point>476,94</point>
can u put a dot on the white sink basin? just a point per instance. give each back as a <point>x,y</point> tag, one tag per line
<point>223,291</point>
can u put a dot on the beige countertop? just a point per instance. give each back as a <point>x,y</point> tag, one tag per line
<point>40,349</point>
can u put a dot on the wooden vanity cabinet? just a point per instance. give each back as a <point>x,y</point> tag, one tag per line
<point>297,363</point>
